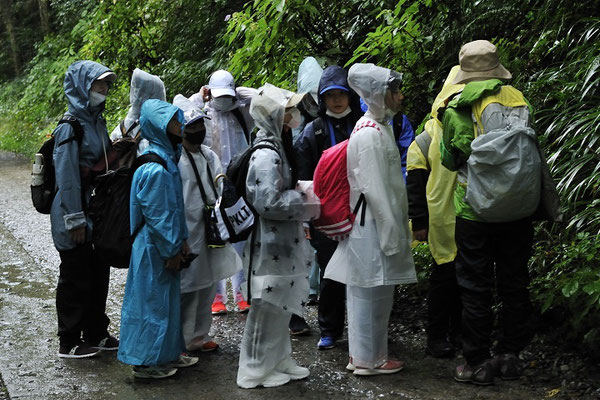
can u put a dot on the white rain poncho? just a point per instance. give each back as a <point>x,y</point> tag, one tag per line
<point>224,134</point>
<point>281,257</point>
<point>309,75</point>
<point>377,253</point>
<point>144,86</point>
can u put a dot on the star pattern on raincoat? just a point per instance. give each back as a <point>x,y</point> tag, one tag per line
<point>292,284</point>
<point>308,263</point>
<point>275,258</point>
<point>257,181</point>
<point>267,209</point>
<point>285,308</point>
<point>269,289</point>
<point>273,229</point>
<point>303,304</point>
<point>277,161</point>
<point>293,267</point>
<point>296,240</point>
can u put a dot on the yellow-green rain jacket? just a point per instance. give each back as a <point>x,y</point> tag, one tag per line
<point>441,182</point>
<point>462,123</point>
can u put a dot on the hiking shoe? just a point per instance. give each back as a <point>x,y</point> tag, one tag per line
<point>482,374</point>
<point>290,367</point>
<point>80,350</point>
<point>218,308</point>
<point>243,306</point>
<point>298,326</point>
<point>326,343</point>
<point>184,361</point>
<point>153,371</point>
<point>439,348</point>
<point>313,300</point>
<point>389,367</point>
<point>506,366</point>
<point>109,343</point>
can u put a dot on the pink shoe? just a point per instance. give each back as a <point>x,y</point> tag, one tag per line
<point>389,367</point>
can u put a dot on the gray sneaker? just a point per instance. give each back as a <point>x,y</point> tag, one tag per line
<point>153,371</point>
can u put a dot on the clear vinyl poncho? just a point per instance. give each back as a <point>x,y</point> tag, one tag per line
<point>224,132</point>
<point>144,86</point>
<point>377,253</point>
<point>281,256</point>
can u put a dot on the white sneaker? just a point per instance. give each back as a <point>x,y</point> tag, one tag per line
<point>290,367</point>
<point>184,361</point>
<point>275,379</point>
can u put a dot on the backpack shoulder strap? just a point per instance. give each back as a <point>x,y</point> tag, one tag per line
<point>147,158</point>
<point>240,119</point>
<point>77,129</point>
<point>423,140</point>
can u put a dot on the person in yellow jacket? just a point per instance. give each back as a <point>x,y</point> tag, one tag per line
<point>430,189</point>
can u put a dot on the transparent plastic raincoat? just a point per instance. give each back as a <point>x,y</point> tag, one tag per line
<point>377,253</point>
<point>224,134</point>
<point>150,317</point>
<point>211,265</point>
<point>67,209</point>
<point>441,182</point>
<point>144,86</point>
<point>281,257</point>
<point>309,75</point>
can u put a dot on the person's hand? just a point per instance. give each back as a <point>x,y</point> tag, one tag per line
<point>421,235</point>
<point>186,248</point>
<point>78,235</point>
<point>307,234</point>
<point>174,263</point>
<point>205,92</point>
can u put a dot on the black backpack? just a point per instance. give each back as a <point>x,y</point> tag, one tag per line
<point>109,212</point>
<point>43,193</point>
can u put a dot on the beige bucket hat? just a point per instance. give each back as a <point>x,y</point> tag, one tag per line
<point>479,61</point>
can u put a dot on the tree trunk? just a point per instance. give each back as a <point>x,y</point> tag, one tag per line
<point>7,19</point>
<point>44,16</point>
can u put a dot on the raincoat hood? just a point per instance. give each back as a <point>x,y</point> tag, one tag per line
<point>191,111</point>
<point>154,118</point>
<point>371,84</point>
<point>144,86</point>
<point>448,90</point>
<point>309,75</point>
<point>268,108</point>
<point>78,80</point>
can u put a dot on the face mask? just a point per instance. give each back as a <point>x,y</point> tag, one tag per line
<point>224,103</point>
<point>96,98</point>
<point>340,115</point>
<point>195,137</point>
<point>296,120</point>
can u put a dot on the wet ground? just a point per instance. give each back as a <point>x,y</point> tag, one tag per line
<point>30,368</point>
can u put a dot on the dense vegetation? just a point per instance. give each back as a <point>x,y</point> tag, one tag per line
<point>552,48</point>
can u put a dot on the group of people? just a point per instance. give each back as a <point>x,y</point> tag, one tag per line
<point>175,281</point>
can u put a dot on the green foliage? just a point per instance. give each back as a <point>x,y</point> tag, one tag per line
<point>567,279</point>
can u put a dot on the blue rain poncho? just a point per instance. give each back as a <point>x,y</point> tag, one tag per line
<point>151,317</point>
<point>67,208</point>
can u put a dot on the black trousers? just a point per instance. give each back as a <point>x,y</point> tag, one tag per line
<point>443,303</point>
<point>81,296</point>
<point>493,255</point>
<point>332,296</point>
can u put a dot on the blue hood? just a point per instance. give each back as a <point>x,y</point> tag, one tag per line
<point>154,118</point>
<point>78,81</point>
<point>338,77</point>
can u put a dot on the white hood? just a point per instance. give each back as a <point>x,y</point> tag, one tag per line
<point>189,108</point>
<point>144,86</point>
<point>268,107</point>
<point>371,84</point>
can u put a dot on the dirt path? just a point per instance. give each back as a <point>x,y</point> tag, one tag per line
<point>31,369</point>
